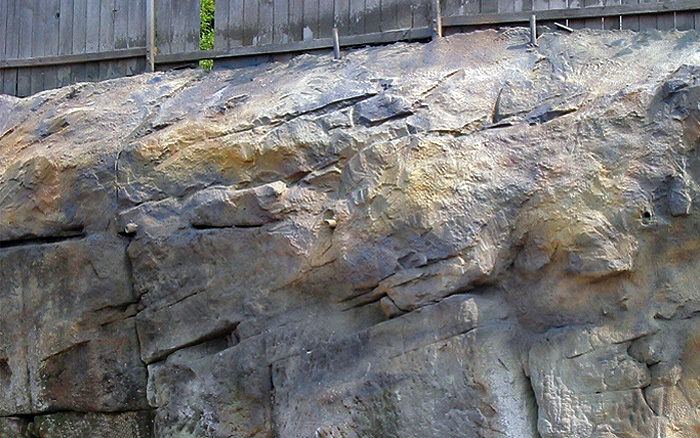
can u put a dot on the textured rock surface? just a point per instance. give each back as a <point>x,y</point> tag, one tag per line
<point>464,238</point>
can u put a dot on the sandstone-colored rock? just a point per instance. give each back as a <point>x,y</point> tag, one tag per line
<point>467,237</point>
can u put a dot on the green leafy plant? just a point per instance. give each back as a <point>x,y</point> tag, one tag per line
<point>206,33</point>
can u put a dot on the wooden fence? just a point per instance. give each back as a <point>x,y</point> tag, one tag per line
<point>51,43</point>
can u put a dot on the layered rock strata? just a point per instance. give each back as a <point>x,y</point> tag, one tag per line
<point>469,238</point>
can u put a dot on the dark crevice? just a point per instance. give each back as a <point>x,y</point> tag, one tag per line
<point>440,81</point>
<point>273,426</point>
<point>228,333</point>
<point>65,235</point>
<point>358,293</point>
<point>119,308</point>
<point>324,109</point>
<point>535,413</point>
<point>549,116</point>
<point>364,300</point>
<point>30,417</point>
<point>372,124</point>
<point>224,227</point>
<point>72,347</point>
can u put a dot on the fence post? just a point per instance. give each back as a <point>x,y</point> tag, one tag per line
<point>150,35</point>
<point>336,43</point>
<point>437,19</point>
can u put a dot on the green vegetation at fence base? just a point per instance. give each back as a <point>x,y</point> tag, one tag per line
<point>206,32</point>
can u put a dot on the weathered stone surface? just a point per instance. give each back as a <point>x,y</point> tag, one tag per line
<point>69,425</point>
<point>463,238</point>
<point>13,427</point>
<point>69,342</point>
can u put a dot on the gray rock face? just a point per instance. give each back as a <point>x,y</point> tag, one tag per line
<point>463,238</point>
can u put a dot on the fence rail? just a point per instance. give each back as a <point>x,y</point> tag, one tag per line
<point>51,43</point>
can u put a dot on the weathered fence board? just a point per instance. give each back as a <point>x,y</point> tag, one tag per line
<point>41,41</point>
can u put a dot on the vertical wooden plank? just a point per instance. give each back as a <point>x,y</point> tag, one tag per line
<point>78,43</point>
<point>250,22</point>
<point>422,14</point>
<point>310,22</point>
<point>7,82</point>
<point>296,20</point>
<point>11,47</point>
<point>117,68</point>
<point>223,24</point>
<point>356,17</point>
<point>192,25</point>
<point>647,21</point>
<point>404,16</point>
<point>136,23</point>
<point>507,6</point>
<point>121,24</point>
<point>266,22</point>
<point>163,28</point>
<point>40,20</point>
<point>135,33</point>
<point>630,22</point>
<point>3,28</point>
<point>326,18</point>
<point>177,19</point>
<point>235,22</point>
<point>470,7</point>
<point>342,16</point>
<point>685,20</point>
<point>558,4</point>
<point>185,25</point>
<point>540,5</point>
<point>388,15</point>
<point>665,21</point>
<point>10,81</point>
<point>107,8</point>
<point>612,23</point>
<point>65,40</point>
<point>26,17</point>
<point>80,21</point>
<point>280,33</point>
<point>592,23</point>
<point>92,30</point>
<point>51,43</point>
<point>92,38</point>
<point>14,21</point>
<point>491,6</point>
<point>373,16</point>
<point>136,66</point>
<point>3,45</point>
<point>92,71</point>
<point>106,41</point>
<point>450,7</point>
<point>65,28</point>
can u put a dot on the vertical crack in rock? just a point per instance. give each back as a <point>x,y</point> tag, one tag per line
<point>532,396</point>
<point>274,430</point>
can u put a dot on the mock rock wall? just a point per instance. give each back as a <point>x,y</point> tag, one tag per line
<point>467,238</point>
